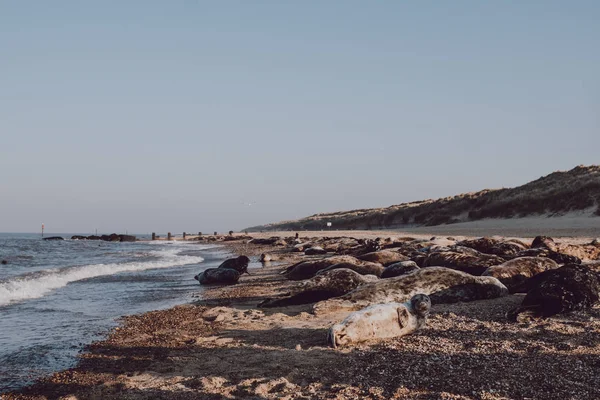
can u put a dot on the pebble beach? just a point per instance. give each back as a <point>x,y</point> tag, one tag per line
<point>222,346</point>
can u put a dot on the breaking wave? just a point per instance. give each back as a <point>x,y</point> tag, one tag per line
<point>35,285</point>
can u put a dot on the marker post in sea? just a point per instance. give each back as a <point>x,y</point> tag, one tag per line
<point>42,229</point>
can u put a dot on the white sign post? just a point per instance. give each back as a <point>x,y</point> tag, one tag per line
<point>329,225</point>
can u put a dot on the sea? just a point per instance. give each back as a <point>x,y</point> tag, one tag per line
<point>58,296</point>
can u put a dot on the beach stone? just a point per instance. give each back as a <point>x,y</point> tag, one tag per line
<point>3,262</point>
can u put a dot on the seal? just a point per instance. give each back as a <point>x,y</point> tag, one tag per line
<point>315,251</point>
<point>240,264</point>
<point>483,245</point>
<point>308,269</point>
<point>568,288</point>
<point>473,264</point>
<point>365,268</point>
<point>384,257</point>
<point>544,242</point>
<point>218,275</point>
<point>560,258</point>
<point>442,285</point>
<point>323,286</point>
<point>381,321</point>
<point>398,269</point>
<point>515,272</point>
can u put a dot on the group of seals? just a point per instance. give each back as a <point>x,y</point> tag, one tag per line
<point>325,285</point>
<point>228,272</point>
<point>381,321</point>
<point>308,269</point>
<point>416,273</point>
<point>443,285</point>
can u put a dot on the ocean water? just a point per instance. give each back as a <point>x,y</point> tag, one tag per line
<point>58,296</point>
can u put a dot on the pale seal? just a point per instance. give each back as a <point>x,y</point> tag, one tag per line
<point>516,271</point>
<point>323,286</point>
<point>218,275</point>
<point>442,285</point>
<point>381,321</point>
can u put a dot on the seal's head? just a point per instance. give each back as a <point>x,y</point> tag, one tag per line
<point>242,262</point>
<point>421,303</point>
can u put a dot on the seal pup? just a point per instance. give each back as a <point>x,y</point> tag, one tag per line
<point>399,268</point>
<point>381,321</point>
<point>240,264</point>
<point>323,286</point>
<point>516,271</point>
<point>308,269</point>
<point>218,275</point>
<point>384,257</point>
<point>568,288</point>
<point>365,268</point>
<point>442,285</point>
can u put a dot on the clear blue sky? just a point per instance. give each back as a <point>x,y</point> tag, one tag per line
<point>170,115</point>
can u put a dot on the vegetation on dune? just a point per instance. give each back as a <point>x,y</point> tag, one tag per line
<point>552,195</point>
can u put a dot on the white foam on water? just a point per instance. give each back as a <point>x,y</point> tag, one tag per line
<point>34,286</point>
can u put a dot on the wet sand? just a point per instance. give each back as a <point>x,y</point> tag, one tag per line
<point>223,347</point>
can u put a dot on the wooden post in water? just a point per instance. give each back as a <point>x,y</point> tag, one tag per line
<point>183,235</point>
<point>153,236</point>
<point>169,236</point>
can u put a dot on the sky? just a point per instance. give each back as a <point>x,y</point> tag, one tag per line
<point>161,116</point>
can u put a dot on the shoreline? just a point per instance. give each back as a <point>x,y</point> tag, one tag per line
<point>223,347</point>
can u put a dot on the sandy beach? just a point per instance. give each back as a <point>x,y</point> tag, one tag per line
<point>224,347</point>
